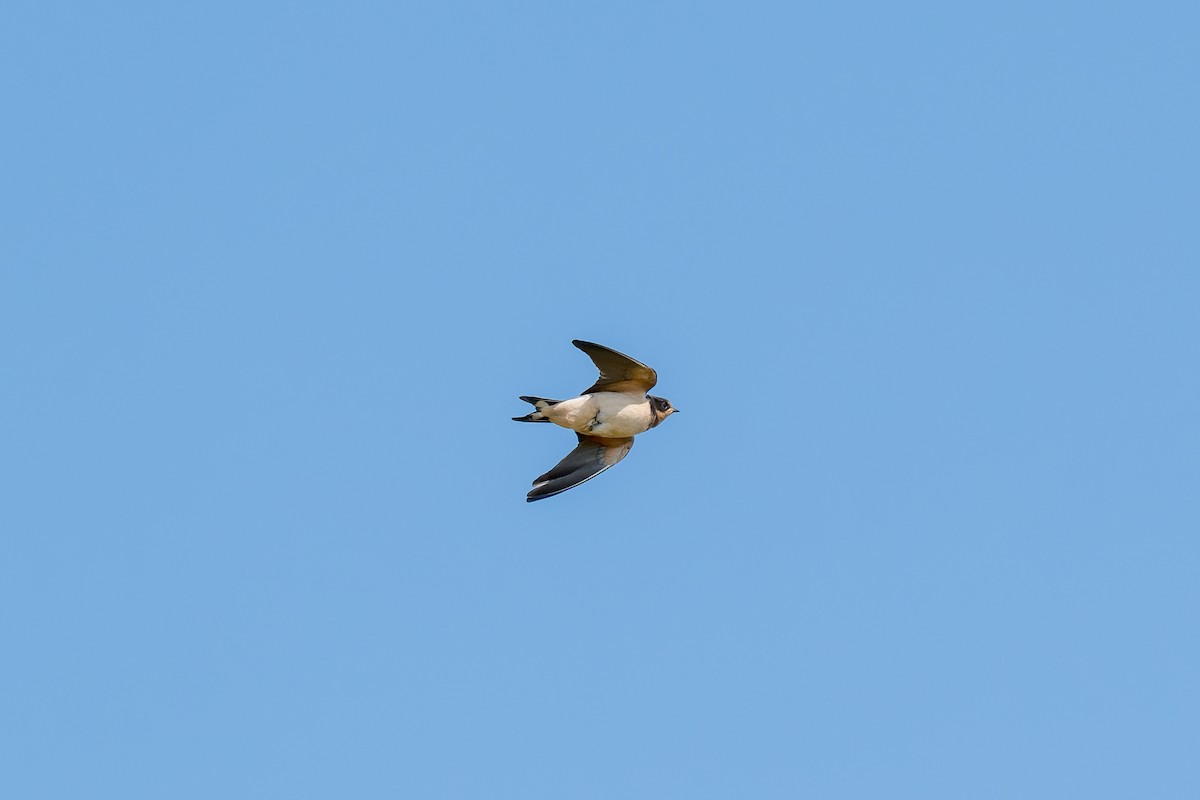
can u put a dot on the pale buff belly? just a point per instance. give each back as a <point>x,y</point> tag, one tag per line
<point>603,414</point>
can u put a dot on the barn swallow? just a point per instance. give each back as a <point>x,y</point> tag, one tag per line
<point>605,417</point>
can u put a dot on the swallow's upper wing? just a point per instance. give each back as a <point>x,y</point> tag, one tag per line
<point>590,457</point>
<point>618,372</point>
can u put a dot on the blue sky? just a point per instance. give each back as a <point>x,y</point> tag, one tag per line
<point>921,277</point>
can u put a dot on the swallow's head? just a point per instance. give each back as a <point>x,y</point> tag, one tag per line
<point>661,408</point>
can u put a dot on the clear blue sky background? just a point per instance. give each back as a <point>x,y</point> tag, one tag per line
<point>924,279</point>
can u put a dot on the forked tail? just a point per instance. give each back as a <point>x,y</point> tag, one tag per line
<point>540,404</point>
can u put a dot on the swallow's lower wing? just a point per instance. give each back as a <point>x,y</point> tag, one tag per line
<point>618,372</point>
<point>590,457</point>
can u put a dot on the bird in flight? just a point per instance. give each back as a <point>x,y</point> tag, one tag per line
<point>605,417</point>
